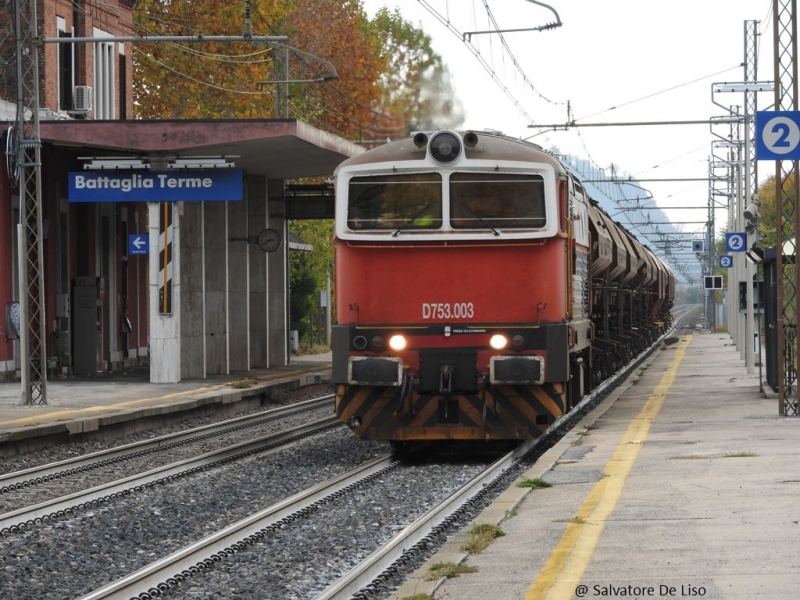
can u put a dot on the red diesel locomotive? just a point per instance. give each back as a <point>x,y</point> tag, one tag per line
<point>479,292</point>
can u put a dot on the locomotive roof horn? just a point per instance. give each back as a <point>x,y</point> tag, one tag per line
<point>470,139</point>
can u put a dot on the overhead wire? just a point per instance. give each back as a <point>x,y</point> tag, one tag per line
<point>654,94</point>
<point>513,58</point>
<point>478,55</point>
<point>204,83</point>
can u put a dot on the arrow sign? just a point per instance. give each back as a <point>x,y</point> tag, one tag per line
<point>138,243</point>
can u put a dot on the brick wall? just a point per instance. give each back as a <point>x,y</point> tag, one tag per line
<point>111,16</point>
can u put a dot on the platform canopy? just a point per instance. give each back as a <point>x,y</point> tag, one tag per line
<point>276,148</point>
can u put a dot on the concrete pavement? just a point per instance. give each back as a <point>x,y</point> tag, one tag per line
<point>118,403</point>
<point>683,484</point>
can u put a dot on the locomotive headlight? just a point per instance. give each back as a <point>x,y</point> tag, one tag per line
<point>445,147</point>
<point>498,342</point>
<point>397,342</point>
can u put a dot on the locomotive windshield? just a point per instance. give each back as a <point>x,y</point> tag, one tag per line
<point>405,201</point>
<point>479,200</point>
<point>401,202</point>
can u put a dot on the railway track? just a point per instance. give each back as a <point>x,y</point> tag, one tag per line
<point>43,483</point>
<point>368,526</point>
<point>29,516</point>
<point>214,558</point>
<point>249,549</point>
<point>76,550</point>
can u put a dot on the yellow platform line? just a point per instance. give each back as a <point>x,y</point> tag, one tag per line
<point>563,571</point>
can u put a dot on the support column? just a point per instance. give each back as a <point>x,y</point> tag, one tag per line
<point>277,279</point>
<point>165,341</point>
<point>257,273</point>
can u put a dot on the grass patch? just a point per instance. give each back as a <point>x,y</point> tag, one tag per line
<point>535,483</point>
<point>480,536</point>
<point>579,441</point>
<point>449,570</point>
<point>306,350</point>
<point>576,520</point>
<point>241,384</point>
<point>740,454</point>
<point>418,597</point>
<point>487,529</point>
<point>510,514</point>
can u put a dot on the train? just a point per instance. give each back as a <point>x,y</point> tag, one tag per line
<point>480,291</point>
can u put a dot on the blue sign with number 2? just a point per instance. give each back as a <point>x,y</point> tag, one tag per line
<point>778,135</point>
<point>735,242</point>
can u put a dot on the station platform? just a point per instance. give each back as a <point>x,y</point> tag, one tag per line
<point>683,483</point>
<point>114,404</point>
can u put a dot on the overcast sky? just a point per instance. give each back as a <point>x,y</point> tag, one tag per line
<point>612,61</point>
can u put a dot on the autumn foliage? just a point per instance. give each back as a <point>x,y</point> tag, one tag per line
<point>360,79</point>
<point>241,79</point>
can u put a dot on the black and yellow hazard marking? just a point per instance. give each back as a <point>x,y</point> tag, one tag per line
<point>501,412</point>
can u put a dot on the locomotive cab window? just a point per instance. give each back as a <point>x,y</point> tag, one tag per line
<point>404,201</point>
<point>480,200</point>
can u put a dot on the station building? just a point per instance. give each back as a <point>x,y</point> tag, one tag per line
<point>143,261</point>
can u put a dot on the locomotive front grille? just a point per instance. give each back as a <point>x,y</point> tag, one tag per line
<point>375,371</point>
<point>463,370</point>
<point>516,370</point>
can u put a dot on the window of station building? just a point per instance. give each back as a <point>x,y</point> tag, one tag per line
<point>104,82</point>
<point>480,200</point>
<point>123,87</point>
<point>66,61</point>
<point>402,201</point>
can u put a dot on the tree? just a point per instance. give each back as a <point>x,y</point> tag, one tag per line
<point>239,80</point>
<point>766,224</point>
<point>417,91</point>
<point>308,273</point>
<point>340,33</point>
<point>389,81</point>
<point>198,80</point>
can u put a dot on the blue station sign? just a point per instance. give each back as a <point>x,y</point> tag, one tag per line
<point>735,242</point>
<point>778,135</point>
<point>155,186</point>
